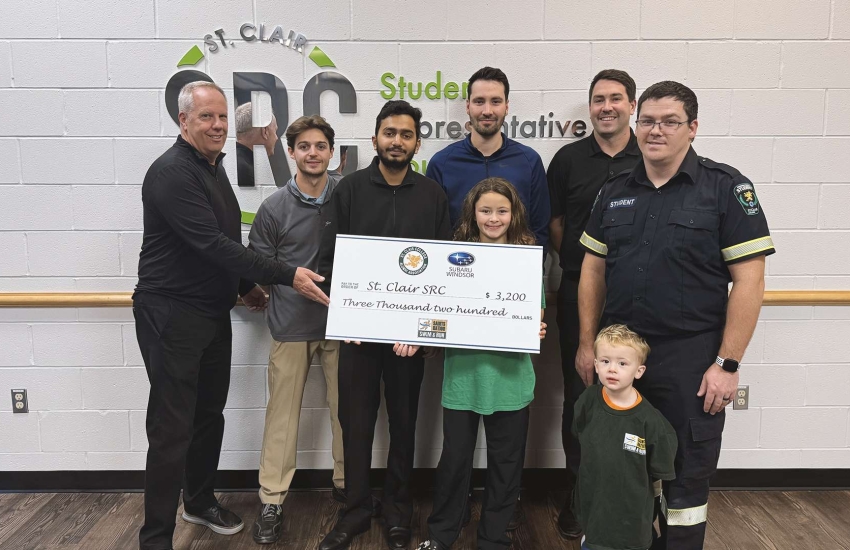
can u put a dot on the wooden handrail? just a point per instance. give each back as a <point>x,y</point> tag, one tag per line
<point>123,299</point>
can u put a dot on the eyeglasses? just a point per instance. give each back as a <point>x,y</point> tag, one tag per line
<point>667,126</point>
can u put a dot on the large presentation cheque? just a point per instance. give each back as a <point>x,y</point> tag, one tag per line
<point>436,293</point>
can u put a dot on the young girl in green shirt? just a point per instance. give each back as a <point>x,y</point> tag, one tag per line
<point>496,385</point>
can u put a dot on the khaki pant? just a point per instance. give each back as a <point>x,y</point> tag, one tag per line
<point>289,363</point>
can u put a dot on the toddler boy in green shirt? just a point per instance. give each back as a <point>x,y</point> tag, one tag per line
<point>626,444</point>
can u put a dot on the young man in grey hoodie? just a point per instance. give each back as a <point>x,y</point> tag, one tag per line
<point>289,226</point>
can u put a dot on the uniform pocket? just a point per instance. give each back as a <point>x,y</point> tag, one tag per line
<point>703,449</point>
<point>693,235</point>
<point>618,226</point>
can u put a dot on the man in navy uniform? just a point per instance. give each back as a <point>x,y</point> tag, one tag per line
<point>663,242</point>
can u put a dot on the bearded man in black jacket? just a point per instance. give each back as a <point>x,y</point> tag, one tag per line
<point>386,199</point>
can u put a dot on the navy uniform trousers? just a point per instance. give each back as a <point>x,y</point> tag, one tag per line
<point>674,372</point>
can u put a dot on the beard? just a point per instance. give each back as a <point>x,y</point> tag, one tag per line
<point>394,163</point>
<point>487,132</point>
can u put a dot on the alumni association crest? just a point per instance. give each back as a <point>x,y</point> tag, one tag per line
<point>413,260</point>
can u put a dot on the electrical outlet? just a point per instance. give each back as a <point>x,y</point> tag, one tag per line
<point>19,401</point>
<point>741,402</point>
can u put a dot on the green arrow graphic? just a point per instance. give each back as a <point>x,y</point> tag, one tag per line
<point>192,57</point>
<point>320,58</point>
<point>248,217</point>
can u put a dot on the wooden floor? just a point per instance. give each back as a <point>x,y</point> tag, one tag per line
<point>85,521</point>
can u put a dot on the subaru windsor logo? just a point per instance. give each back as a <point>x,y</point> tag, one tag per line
<point>461,258</point>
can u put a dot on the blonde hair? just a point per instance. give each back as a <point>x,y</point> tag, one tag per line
<point>621,335</point>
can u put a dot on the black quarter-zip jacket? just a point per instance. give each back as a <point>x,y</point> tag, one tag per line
<point>365,204</point>
<point>192,247</point>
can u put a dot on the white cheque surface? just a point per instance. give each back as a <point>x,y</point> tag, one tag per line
<point>436,293</point>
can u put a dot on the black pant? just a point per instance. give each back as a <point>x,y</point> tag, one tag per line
<point>506,433</point>
<point>568,329</point>
<point>673,375</point>
<point>360,371</point>
<point>187,357</point>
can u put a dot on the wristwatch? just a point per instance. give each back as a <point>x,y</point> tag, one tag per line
<point>729,365</point>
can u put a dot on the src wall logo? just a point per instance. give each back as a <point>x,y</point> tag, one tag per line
<point>245,83</point>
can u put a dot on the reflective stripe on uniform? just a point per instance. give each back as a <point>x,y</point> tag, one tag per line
<point>593,244</point>
<point>745,249</point>
<point>685,517</point>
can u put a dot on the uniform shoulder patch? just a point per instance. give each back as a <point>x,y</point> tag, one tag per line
<point>746,195</point>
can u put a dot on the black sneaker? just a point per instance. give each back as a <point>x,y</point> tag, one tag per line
<point>219,520</point>
<point>269,524</point>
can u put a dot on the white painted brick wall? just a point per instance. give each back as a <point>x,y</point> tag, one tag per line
<point>104,112</point>
<point>378,19</point>
<point>77,345</point>
<point>50,389</point>
<point>646,62</point>
<point>114,207</point>
<point>83,116</point>
<point>144,64</point>
<point>66,160</point>
<point>84,431</point>
<point>809,159</point>
<point>73,253</point>
<point>664,20</point>
<point>777,112</point>
<point>50,64</point>
<point>838,113</point>
<point>574,21</point>
<point>526,20</point>
<point>840,20</point>
<point>5,65</point>
<point>21,119</point>
<point>29,19</point>
<point>801,19</point>
<point>13,250</point>
<point>807,63</point>
<point>173,19</point>
<point>106,19</point>
<point>324,20</point>
<point>10,165</point>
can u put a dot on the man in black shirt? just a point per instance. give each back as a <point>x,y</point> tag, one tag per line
<point>190,266</point>
<point>575,176</point>
<point>386,199</point>
<point>663,242</point>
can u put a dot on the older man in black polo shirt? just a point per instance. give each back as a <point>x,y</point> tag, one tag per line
<point>575,176</point>
<point>190,266</point>
<point>663,243</point>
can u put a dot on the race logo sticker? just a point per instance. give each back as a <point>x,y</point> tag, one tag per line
<point>634,444</point>
<point>746,195</point>
<point>433,328</point>
<point>622,203</point>
<point>413,260</point>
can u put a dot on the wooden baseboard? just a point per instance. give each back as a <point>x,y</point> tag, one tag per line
<point>422,480</point>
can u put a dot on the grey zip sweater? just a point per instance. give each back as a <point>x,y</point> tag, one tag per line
<point>289,229</point>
